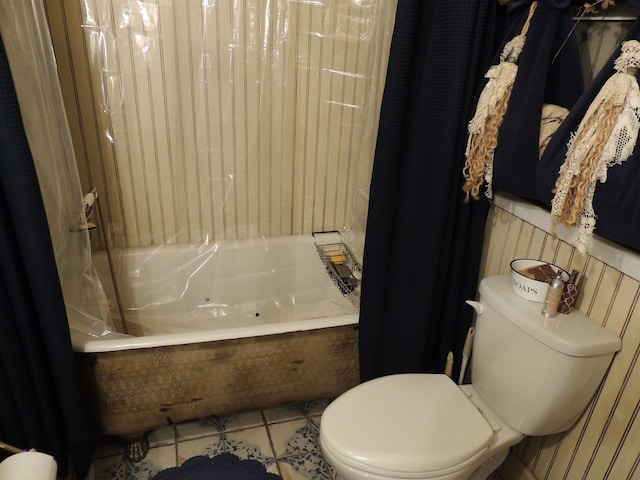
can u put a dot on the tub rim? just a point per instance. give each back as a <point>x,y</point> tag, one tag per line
<point>115,342</point>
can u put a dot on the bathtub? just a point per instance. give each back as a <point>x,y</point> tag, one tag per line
<point>218,329</point>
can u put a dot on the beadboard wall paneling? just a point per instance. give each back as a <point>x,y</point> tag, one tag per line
<point>604,442</point>
<point>201,121</point>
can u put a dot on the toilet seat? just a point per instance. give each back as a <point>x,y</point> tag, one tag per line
<point>372,473</point>
<point>405,426</point>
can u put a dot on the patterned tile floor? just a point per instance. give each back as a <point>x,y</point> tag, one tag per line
<point>284,439</point>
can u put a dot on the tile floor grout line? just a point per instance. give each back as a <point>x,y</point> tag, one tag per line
<point>175,451</point>
<point>304,464</point>
<point>273,450</point>
<point>175,444</point>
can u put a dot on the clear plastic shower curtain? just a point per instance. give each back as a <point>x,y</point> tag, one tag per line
<point>204,121</point>
<point>221,120</point>
<point>26,37</point>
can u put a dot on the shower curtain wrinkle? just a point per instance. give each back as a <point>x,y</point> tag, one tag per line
<point>277,102</point>
<point>423,243</point>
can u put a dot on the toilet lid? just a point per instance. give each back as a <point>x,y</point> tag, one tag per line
<point>405,423</point>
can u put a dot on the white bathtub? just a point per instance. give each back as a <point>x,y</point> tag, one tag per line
<point>181,294</point>
<point>218,329</point>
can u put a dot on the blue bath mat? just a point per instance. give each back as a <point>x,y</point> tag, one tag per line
<point>225,466</point>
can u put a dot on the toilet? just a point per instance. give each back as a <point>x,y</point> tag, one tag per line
<point>531,375</point>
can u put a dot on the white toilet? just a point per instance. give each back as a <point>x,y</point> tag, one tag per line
<point>531,376</point>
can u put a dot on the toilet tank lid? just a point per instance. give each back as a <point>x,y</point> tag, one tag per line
<point>574,334</point>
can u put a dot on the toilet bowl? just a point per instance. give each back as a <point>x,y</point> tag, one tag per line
<point>531,375</point>
<point>412,426</point>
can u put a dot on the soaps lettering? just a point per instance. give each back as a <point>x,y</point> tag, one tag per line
<point>525,288</point>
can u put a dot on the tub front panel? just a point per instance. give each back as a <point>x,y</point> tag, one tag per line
<point>135,391</point>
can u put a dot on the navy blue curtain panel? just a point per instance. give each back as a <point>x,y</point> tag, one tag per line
<point>549,72</point>
<point>41,405</point>
<point>617,201</point>
<point>423,242</point>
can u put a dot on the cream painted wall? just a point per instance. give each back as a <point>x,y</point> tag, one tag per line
<point>604,444</point>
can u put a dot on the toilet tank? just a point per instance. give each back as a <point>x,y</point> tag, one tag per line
<point>538,374</point>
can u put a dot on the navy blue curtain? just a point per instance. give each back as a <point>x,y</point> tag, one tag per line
<point>549,71</point>
<point>423,242</point>
<point>41,405</point>
<point>617,201</point>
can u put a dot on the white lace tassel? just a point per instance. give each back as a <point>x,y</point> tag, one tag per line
<point>501,78</point>
<point>496,92</point>
<point>621,90</point>
<point>584,231</point>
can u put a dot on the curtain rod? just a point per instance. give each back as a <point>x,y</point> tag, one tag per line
<point>618,13</point>
<point>613,18</point>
